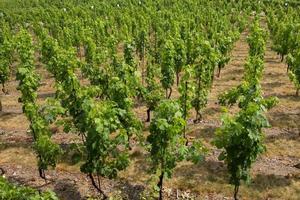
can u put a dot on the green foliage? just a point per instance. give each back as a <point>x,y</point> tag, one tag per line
<point>225,45</point>
<point>203,76</point>
<point>129,54</point>
<point>6,58</point>
<point>123,86</point>
<point>257,40</point>
<point>186,90</point>
<point>234,95</point>
<point>191,48</point>
<point>119,92</point>
<point>90,50</point>
<point>12,192</point>
<point>127,76</point>
<point>153,93</point>
<point>250,89</point>
<point>241,138</point>
<point>283,24</point>
<point>168,145</point>
<point>51,110</point>
<point>47,48</point>
<point>180,56</point>
<point>253,70</point>
<point>141,43</point>
<point>167,142</point>
<point>99,123</point>
<point>168,65</point>
<point>104,158</point>
<point>283,38</point>
<point>294,72</point>
<point>47,151</point>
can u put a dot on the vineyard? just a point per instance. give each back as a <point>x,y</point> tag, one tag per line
<point>149,99</point>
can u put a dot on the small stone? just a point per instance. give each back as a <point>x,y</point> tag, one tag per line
<point>48,177</point>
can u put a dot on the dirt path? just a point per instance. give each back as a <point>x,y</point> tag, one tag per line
<point>283,138</point>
